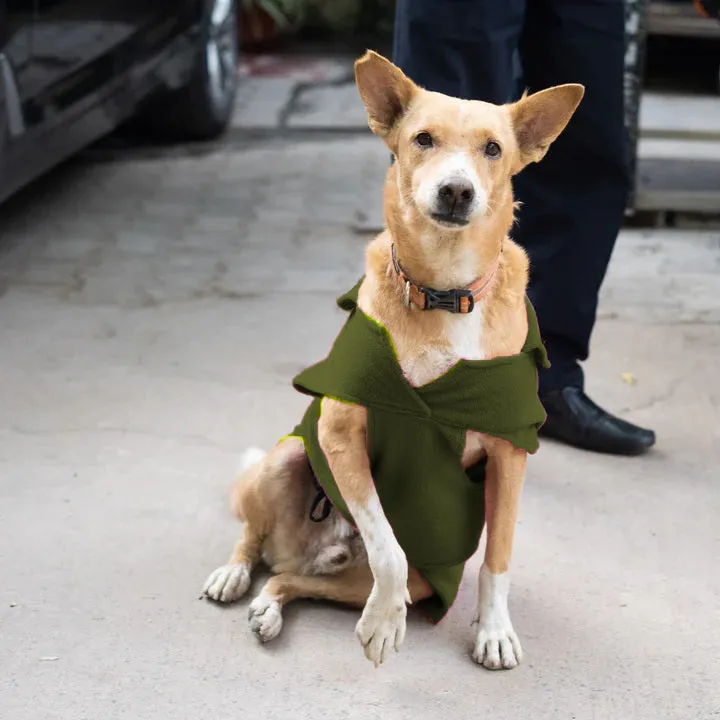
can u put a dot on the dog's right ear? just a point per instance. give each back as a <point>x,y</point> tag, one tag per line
<point>385,90</point>
<point>539,119</point>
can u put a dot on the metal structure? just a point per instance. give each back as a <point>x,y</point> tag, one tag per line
<point>636,15</point>
<point>658,185</point>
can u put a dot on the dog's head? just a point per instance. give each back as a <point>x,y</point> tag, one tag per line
<point>454,158</point>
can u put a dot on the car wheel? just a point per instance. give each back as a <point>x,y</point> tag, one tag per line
<point>202,109</point>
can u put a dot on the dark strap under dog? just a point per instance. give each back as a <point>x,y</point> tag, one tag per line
<point>321,503</point>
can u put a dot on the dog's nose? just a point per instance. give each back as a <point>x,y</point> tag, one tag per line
<point>456,196</point>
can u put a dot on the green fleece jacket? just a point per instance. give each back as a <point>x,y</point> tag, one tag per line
<point>416,438</point>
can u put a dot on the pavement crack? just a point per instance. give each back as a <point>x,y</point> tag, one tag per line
<point>292,105</point>
<point>656,399</point>
<point>196,439</point>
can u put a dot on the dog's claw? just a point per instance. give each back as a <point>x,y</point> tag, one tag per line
<point>227,583</point>
<point>381,627</point>
<point>499,650</point>
<point>265,617</point>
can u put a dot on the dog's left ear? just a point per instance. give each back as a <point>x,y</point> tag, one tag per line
<point>385,90</point>
<point>539,119</point>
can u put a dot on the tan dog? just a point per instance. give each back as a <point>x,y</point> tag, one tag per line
<point>449,208</point>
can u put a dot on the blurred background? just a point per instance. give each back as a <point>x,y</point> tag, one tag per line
<point>74,71</point>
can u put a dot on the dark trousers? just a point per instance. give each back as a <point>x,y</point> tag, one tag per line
<point>574,199</point>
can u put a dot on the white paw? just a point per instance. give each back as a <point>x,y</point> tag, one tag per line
<point>497,646</point>
<point>265,617</point>
<point>382,624</point>
<point>228,583</point>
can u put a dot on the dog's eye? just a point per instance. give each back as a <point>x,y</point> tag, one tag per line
<point>492,150</point>
<point>424,140</point>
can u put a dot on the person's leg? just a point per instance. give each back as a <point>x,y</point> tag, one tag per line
<point>573,201</point>
<point>463,48</point>
<point>573,204</point>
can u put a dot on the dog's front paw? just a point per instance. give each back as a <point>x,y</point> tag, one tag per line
<point>228,583</point>
<point>265,617</point>
<point>382,625</point>
<point>497,646</point>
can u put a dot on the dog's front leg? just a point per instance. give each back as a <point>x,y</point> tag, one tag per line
<point>497,646</point>
<point>342,433</point>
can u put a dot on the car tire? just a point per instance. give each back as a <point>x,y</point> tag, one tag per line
<point>201,110</point>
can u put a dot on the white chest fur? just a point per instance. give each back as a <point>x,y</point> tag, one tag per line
<point>464,335</point>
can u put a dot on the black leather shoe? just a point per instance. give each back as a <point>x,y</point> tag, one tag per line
<point>575,419</point>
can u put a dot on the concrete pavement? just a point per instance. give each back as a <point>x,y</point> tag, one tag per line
<point>153,311</point>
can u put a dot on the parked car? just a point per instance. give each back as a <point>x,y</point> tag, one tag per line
<point>71,71</point>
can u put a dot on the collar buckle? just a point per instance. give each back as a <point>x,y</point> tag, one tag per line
<point>454,301</point>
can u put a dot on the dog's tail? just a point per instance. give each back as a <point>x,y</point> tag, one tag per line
<point>247,468</point>
<point>251,457</point>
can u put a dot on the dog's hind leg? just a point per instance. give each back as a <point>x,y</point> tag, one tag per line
<point>268,486</point>
<point>231,581</point>
<point>351,586</point>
